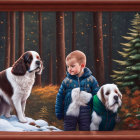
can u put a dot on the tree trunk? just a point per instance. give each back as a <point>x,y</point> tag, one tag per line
<point>73,32</point>
<point>13,31</point>
<point>110,45</point>
<point>21,33</point>
<point>60,48</point>
<point>98,47</point>
<point>50,70</point>
<point>38,77</point>
<point>7,48</point>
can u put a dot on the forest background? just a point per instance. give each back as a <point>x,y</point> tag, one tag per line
<point>54,35</point>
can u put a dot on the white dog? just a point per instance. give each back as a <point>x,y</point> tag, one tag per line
<point>79,98</point>
<point>16,83</point>
<point>105,107</point>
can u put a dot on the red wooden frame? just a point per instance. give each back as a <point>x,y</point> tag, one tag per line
<point>73,135</point>
<point>70,5</point>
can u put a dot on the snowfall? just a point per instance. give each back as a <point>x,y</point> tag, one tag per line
<point>13,124</point>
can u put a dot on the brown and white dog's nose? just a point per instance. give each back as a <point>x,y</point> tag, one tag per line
<point>38,63</point>
<point>116,98</point>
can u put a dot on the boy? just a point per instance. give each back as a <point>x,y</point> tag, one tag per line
<point>77,76</point>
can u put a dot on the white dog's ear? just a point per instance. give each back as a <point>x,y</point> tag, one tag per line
<point>102,95</point>
<point>119,93</point>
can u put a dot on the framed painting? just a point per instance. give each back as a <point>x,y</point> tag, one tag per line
<point>45,32</point>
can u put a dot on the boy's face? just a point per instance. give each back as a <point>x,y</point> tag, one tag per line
<point>73,67</point>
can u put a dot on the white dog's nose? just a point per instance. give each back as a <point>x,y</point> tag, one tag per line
<point>116,98</point>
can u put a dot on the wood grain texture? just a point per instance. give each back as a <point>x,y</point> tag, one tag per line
<point>69,5</point>
<point>75,135</point>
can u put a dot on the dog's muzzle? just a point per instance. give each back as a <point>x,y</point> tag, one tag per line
<point>40,66</point>
<point>116,98</point>
<point>38,63</point>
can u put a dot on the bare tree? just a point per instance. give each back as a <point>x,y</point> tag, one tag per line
<point>98,47</point>
<point>110,44</point>
<point>60,48</point>
<point>7,48</point>
<point>50,80</point>
<point>73,32</point>
<point>21,34</point>
<point>38,77</point>
<point>13,32</point>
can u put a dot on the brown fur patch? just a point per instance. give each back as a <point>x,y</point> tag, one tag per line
<point>27,59</point>
<point>19,67</point>
<point>5,84</point>
<point>102,96</point>
<point>22,64</point>
<point>2,104</point>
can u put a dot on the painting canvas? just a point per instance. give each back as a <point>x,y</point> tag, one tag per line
<point>110,41</point>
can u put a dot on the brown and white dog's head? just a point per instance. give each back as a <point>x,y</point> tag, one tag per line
<point>110,96</point>
<point>29,62</point>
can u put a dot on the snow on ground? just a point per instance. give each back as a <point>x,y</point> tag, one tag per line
<point>13,124</point>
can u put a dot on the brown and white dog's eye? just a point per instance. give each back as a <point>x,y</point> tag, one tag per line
<point>107,93</point>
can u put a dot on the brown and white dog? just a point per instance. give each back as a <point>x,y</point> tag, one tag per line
<point>16,83</point>
<point>105,107</point>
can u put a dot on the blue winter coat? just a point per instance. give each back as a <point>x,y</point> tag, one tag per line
<point>86,82</point>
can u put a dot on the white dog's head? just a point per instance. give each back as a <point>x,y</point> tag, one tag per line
<point>29,62</point>
<point>110,96</point>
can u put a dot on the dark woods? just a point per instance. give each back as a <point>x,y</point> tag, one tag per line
<point>55,34</point>
<point>100,35</point>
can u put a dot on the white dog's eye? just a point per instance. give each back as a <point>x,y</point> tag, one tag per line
<point>107,93</point>
<point>116,91</point>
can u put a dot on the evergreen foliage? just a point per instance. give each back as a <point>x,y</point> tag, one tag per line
<point>129,76</point>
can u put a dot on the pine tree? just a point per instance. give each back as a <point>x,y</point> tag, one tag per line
<point>43,114</point>
<point>130,75</point>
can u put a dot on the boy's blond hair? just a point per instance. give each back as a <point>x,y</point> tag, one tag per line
<point>78,55</point>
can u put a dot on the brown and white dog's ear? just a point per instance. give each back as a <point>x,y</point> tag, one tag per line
<point>102,95</point>
<point>19,67</point>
